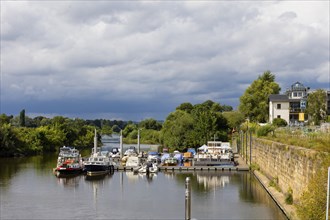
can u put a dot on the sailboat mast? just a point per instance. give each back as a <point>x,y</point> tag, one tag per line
<point>95,142</point>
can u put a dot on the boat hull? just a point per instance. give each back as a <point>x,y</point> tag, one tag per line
<point>67,172</point>
<point>97,168</point>
<point>97,173</point>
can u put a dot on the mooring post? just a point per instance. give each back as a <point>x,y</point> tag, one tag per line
<point>188,200</point>
<point>327,211</point>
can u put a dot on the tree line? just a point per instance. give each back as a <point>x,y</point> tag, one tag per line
<point>22,135</point>
<point>188,126</point>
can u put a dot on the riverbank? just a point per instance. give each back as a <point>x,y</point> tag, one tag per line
<point>278,197</point>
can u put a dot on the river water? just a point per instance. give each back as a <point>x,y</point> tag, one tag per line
<point>29,190</point>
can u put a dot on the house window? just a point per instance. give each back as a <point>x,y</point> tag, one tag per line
<point>294,94</point>
<point>278,106</point>
<point>278,116</point>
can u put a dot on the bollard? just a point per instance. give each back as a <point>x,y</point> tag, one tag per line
<point>188,200</point>
<point>327,211</point>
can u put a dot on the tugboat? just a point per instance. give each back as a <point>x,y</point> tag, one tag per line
<point>99,163</point>
<point>69,162</point>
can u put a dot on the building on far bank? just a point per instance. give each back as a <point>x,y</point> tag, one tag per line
<point>279,107</point>
<point>289,106</point>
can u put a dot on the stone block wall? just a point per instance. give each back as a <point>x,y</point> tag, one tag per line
<point>291,166</point>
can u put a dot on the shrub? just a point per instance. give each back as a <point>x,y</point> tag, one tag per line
<point>279,122</point>
<point>313,201</point>
<point>289,197</point>
<point>254,166</point>
<point>265,130</point>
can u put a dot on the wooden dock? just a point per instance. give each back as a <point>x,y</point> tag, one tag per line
<point>242,166</point>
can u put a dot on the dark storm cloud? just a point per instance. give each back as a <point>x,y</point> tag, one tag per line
<point>136,59</point>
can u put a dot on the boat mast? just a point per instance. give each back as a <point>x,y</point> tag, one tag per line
<point>95,142</point>
<point>121,145</point>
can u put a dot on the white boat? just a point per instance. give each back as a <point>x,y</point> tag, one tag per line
<point>147,168</point>
<point>153,157</point>
<point>132,161</point>
<point>100,162</point>
<point>69,162</point>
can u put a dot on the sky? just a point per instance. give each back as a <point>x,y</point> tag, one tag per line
<point>132,60</point>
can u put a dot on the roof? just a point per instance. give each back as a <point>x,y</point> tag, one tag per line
<point>278,98</point>
<point>297,86</point>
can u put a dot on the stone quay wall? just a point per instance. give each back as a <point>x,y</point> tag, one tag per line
<point>290,167</point>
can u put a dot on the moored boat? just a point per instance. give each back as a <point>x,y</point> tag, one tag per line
<point>171,161</point>
<point>147,168</point>
<point>99,163</point>
<point>68,162</point>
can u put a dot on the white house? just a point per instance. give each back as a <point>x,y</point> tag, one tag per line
<point>290,106</point>
<point>279,107</point>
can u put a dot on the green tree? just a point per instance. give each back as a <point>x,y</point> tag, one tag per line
<point>116,128</point>
<point>4,119</point>
<point>128,129</point>
<point>150,123</point>
<point>186,106</point>
<point>254,102</point>
<point>177,128</point>
<point>106,129</point>
<point>8,140</point>
<point>316,106</point>
<point>234,119</point>
<point>227,108</point>
<point>22,118</point>
<point>208,122</point>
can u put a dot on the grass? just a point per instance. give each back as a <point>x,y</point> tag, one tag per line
<point>312,140</point>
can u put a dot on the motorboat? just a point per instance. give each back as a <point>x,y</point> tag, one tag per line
<point>100,162</point>
<point>69,162</point>
<point>153,157</point>
<point>171,161</point>
<point>147,168</point>
<point>132,161</point>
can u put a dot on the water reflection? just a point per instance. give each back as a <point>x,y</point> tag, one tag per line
<point>69,182</point>
<point>211,182</point>
<point>135,177</point>
<point>25,182</point>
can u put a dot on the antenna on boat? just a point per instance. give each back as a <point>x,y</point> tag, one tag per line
<point>95,142</point>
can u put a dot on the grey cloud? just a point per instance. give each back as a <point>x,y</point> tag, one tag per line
<point>289,15</point>
<point>160,53</point>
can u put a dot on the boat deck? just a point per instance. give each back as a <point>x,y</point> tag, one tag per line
<point>241,166</point>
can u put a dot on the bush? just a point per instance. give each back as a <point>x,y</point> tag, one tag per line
<point>289,197</point>
<point>313,201</point>
<point>265,130</point>
<point>279,122</point>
